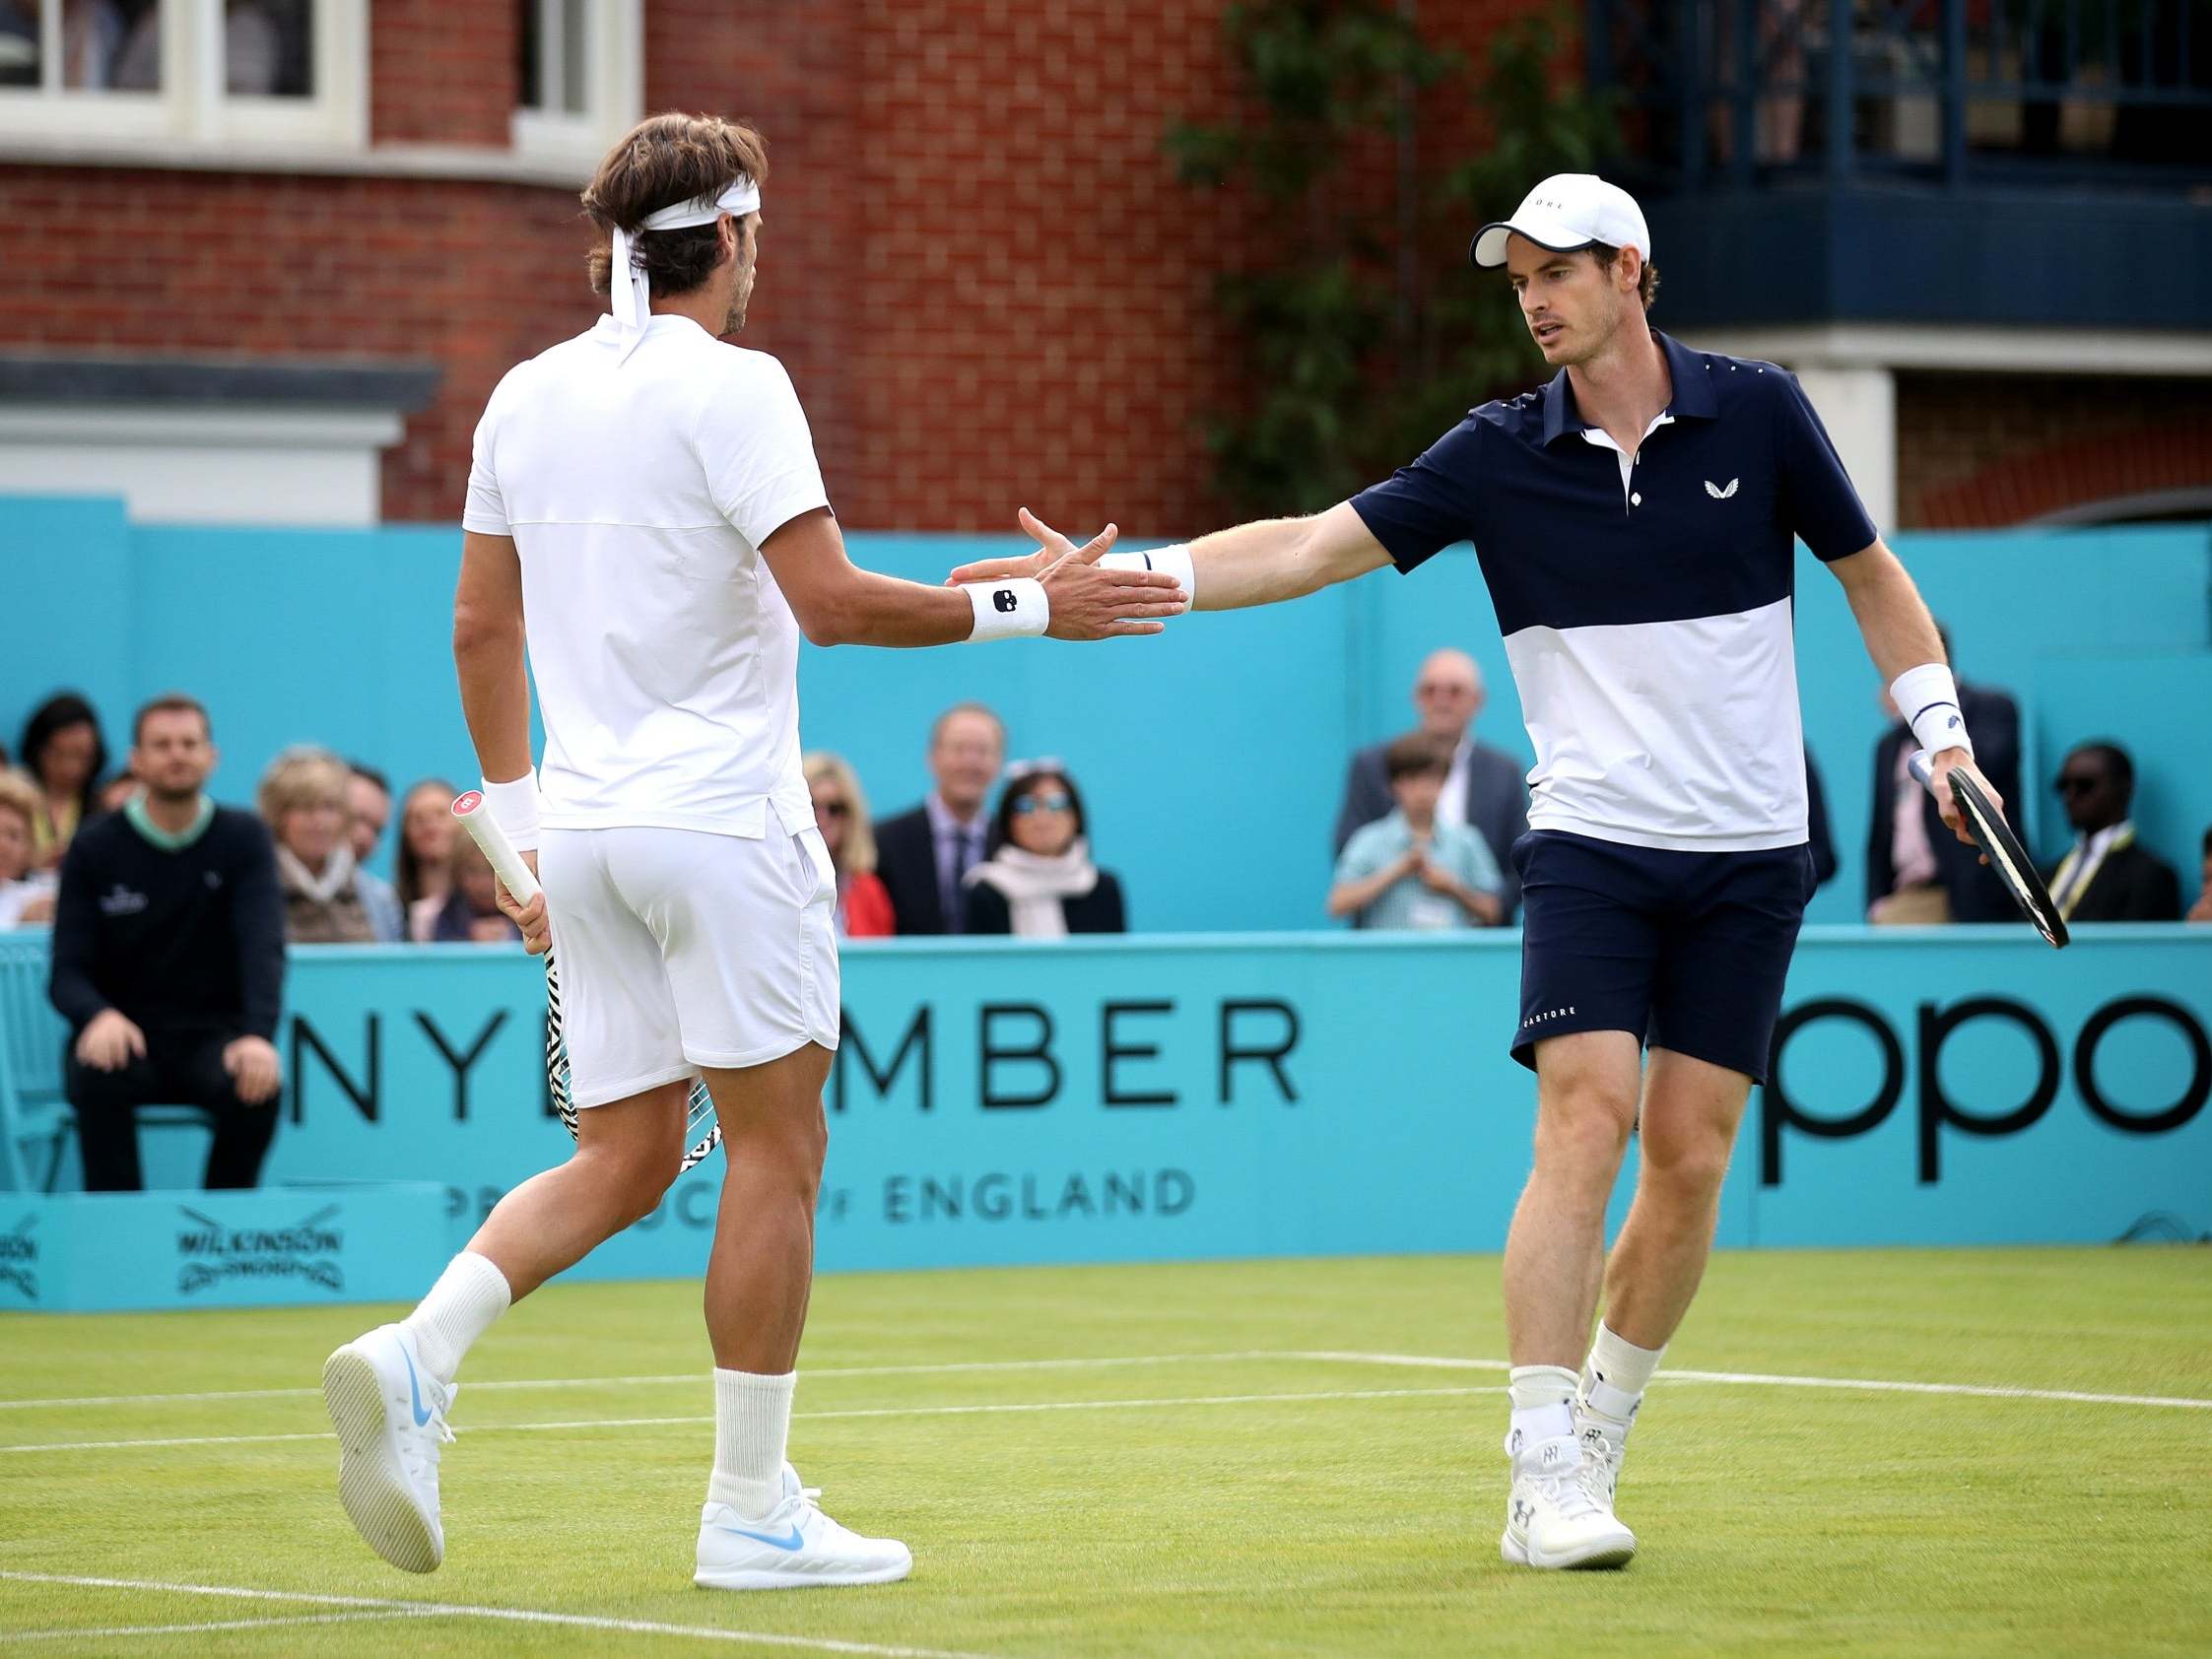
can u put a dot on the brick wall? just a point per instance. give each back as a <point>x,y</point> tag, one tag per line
<point>442,71</point>
<point>1984,450</point>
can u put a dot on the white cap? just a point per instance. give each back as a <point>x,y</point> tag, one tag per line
<point>1567,211</point>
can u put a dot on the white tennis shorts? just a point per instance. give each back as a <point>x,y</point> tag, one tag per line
<point>680,949</point>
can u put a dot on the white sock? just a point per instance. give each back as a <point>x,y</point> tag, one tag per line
<point>1543,1405</point>
<point>469,1295</point>
<point>1617,1374</point>
<point>752,1424</point>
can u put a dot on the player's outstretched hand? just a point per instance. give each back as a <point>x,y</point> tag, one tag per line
<point>1089,602</point>
<point>537,932</point>
<point>1940,767</point>
<point>1051,547</point>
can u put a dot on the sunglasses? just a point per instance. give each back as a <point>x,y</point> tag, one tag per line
<point>2069,784</point>
<point>834,809</point>
<point>1042,803</point>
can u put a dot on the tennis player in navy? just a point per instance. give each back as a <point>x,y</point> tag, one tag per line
<point>1635,521</point>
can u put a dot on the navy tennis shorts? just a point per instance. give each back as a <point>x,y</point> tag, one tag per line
<point>1686,949</point>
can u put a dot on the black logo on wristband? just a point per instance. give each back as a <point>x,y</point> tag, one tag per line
<point>1005,601</point>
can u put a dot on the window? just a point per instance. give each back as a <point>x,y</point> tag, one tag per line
<point>579,77</point>
<point>217,72</point>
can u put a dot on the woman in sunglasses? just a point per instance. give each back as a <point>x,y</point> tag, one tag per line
<point>841,812</point>
<point>1040,883</point>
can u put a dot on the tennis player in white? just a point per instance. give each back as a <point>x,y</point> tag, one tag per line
<point>645,503</point>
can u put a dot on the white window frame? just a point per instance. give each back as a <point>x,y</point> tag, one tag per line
<point>192,108</point>
<point>614,88</point>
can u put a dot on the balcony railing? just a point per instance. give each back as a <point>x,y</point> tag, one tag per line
<point>1744,91</point>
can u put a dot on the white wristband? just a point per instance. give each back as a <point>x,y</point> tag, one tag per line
<point>1929,700</point>
<point>1175,560</point>
<point>1014,609</point>
<point>514,807</point>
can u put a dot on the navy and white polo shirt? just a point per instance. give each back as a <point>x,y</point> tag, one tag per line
<point>1645,606</point>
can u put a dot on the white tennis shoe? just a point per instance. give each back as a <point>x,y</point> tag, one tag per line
<point>390,1417</point>
<point>794,1546</point>
<point>1561,1512</point>
<point>1605,1441</point>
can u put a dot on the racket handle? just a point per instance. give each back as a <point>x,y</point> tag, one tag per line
<point>476,817</point>
<point>1918,764</point>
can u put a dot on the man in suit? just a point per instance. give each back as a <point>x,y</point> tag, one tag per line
<point>1487,789</point>
<point>925,854</point>
<point>1917,869</point>
<point>2107,876</point>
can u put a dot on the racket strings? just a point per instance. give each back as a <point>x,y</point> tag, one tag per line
<point>700,1130</point>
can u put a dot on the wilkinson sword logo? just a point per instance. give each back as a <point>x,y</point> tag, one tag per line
<point>19,1258</point>
<point>213,1252</point>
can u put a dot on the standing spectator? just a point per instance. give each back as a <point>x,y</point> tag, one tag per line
<point>2107,876</point>
<point>2201,910</point>
<point>1917,870</point>
<point>426,855</point>
<point>168,962</point>
<point>471,913</point>
<point>369,802</point>
<point>841,812</point>
<point>1486,788</point>
<point>302,800</point>
<point>1040,883</point>
<point>64,754</point>
<point>1411,869</point>
<point>27,896</point>
<point>923,855</point>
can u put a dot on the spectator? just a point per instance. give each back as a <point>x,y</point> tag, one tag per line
<point>64,754</point>
<point>2201,910</point>
<point>1040,883</point>
<point>1411,869</point>
<point>2107,876</point>
<point>1917,870</point>
<point>841,811</point>
<point>117,792</point>
<point>924,856</point>
<point>168,962</point>
<point>302,800</point>
<point>1486,789</point>
<point>426,855</point>
<point>27,896</point>
<point>368,804</point>
<point>471,913</point>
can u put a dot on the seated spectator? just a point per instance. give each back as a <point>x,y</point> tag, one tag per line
<point>168,962</point>
<point>425,860</point>
<point>923,854</point>
<point>1486,788</point>
<point>2107,876</point>
<point>1040,883</point>
<point>471,913</point>
<point>27,896</point>
<point>1411,869</point>
<point>1917,870</point>
<point>369,805</point>
<point>302,800</point>
<point>115,794</point>
<point>2201,910</point>
<point>63,754</point>
<point>841,812</point>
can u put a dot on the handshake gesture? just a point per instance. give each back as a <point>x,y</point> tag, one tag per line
<point>1089,600</point>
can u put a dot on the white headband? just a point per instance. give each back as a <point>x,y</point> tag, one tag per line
<point>631,293</point>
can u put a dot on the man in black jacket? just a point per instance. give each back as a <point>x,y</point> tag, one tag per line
<point>923,854</point>
<point>1487,789</point>
<point>1917,869</point>
<point>2107,876</point>
<point>168,962</point>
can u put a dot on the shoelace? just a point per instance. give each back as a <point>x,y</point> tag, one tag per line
<point>1575,1491</point>
<point>422,1458</point>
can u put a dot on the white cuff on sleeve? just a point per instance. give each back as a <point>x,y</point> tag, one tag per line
<point>1014,609</point>
<point>1175,560</point>
<point>1928,698</point>
<point>514,807</point>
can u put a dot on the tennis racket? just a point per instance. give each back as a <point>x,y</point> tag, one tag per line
<point>700,1130</point>
<point>2002,849</point>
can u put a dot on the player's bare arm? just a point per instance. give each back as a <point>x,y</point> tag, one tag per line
<point>837,603</point>
<point>488,657</point>
<point>1899,635</point>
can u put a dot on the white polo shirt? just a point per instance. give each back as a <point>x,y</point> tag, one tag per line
<point>638,493</point>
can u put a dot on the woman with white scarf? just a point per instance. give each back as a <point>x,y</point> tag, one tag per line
<point>1039,883</point>
<point>302,800</point>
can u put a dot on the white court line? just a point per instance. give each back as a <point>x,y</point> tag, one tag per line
<point>511,1615</point>
<point>215,1624</point>
<point>814,1374</point>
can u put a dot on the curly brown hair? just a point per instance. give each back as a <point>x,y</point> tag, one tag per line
<point>665,159</point>
<point>1647,285</point>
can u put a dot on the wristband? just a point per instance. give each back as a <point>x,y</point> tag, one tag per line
<point>1927,698</point>
<point>1175,560</point>
<point>1014,609</point>
<point>514,807</point>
